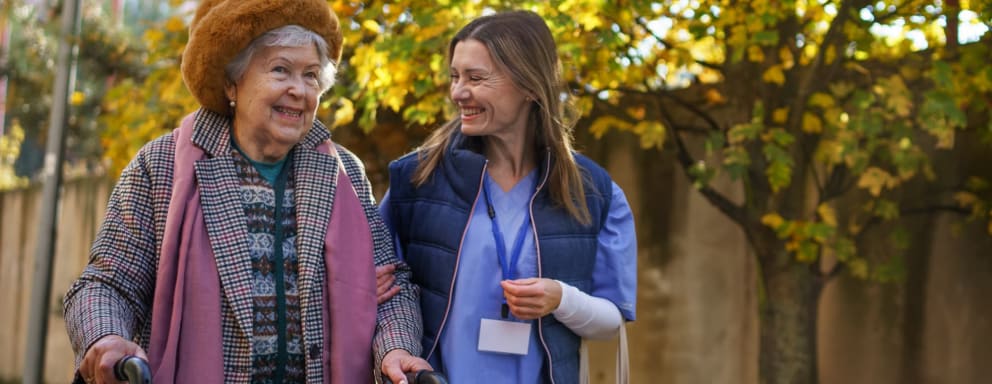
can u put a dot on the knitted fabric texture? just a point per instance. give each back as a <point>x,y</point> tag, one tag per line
<point>222,28</point>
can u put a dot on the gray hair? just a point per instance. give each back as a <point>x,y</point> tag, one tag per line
<point>285,36</point>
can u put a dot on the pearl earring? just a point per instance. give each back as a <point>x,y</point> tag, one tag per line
<point>231,103</point>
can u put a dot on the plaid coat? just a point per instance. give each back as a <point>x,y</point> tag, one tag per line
<point>114,294</point>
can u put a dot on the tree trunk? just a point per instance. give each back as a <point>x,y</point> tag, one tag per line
<point>788,324</point>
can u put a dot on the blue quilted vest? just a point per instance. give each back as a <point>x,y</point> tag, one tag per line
<point>430,222</point>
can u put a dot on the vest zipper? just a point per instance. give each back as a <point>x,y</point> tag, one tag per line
<point>537,250</point>
<point>458,258</point>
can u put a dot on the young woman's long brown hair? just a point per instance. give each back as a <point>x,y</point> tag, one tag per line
<point>521,44</point>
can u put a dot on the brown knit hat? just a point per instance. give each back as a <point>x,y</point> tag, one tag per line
<point>222,28</point>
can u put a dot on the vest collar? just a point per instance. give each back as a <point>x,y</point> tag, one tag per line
<point>464,163</point>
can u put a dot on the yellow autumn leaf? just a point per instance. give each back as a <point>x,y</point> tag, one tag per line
<point>738,35</point>
<point>785,54</point>
<point>945,138</point>
<point>792,245</point>
<point>344,8</point>
<point>779,115</point>
<point>583,105</point>
<point>874,179</point>
<point>603,124</point>
<point>772,220</point>
<point>822,100</point>
<point>153,37</point>
<point>897,95</point>
<point>371,26</point>
<point>830,55</point>
<point>755,54</point>
<point>652,134</point>
<point>854,227</point>
<point>827,214</point>
<point>714,97</point>
<point>345,112</point>
<point>637,112</point>
<point>394,98</point>
<point>858,267</point>
<point>709,76</point>
<point>811,123</point>
<point>175,25</point>
<point>807,54</point>
<point>429,32</point>
<point>589,21</point>
<point>77,98</point>
<point>965,199</point>
<point>774,75</point>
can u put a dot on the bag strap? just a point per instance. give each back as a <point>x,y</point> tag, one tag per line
<point>623,359</point>
<point>584,362</point>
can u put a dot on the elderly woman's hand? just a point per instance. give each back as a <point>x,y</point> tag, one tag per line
<point>384,279</point>
<point>398,361</point>
<point>531,298</point>
<point>98,363</point>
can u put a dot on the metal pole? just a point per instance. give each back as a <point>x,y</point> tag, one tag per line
<point>5,29</point>
<point>52,177</point>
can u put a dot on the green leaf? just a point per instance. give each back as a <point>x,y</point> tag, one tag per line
<point>808,252</point>
<point>844,249</point>
<point>893,269</point>
<point>768,38</point>
<point>886,209</point>
<point>781,137</point>
<point>700,174</point>
<point>741,133</point>
<point>820,232</point>
<point>736,161</point>
<point>714,142</point>
<point>779,170</point>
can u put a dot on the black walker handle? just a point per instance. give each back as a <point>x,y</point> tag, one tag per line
<point>426,377</point>
<point>133,369</point>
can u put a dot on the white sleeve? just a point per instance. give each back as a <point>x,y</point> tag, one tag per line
<point>588,316</point>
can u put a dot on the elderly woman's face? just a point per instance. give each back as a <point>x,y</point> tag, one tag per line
<point>276,99</point>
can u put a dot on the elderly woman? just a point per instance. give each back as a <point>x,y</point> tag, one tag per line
<point>543,253</point>
<point>241,247</point>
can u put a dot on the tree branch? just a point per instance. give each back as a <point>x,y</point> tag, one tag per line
<point>925,210</point>
<point>721,202</point>
<point>839,267</point>
<point>640,21</point>
<point>663,94</point>
<point>834,272</point>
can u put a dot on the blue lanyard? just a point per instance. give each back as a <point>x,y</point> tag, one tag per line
<point>508,266</point>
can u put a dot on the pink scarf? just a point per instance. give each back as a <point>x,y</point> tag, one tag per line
<point>186,343</point>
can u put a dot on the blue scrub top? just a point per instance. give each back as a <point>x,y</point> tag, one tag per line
<point>477,293</point>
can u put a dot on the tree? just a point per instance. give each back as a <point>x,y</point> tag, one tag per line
<point>105,51</point>
<point>824,113</point>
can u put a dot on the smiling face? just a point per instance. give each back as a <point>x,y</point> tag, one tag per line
<point>276,100</point>
<point>487,99</point>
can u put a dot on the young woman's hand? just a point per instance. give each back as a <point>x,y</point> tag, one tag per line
<point>531,298</point>
<point>384,279</point>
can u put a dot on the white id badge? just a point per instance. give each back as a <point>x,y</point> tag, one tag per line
<point>504,336</point>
